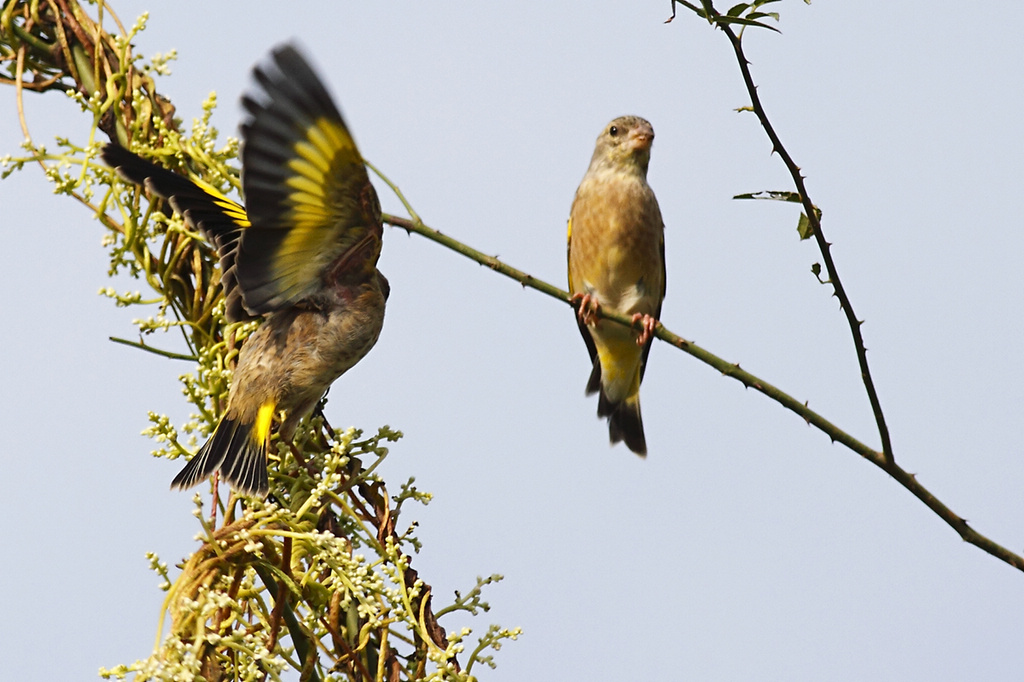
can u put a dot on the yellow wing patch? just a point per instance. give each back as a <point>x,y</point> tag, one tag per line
<point>231,209</point>
<point>313,218</point>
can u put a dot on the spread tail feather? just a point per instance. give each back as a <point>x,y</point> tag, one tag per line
<point>235,450</point>
<point>624,422</point>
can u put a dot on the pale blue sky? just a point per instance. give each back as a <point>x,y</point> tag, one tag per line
<point>746,546</point>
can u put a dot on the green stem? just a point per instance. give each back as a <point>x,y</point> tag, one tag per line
<point>733,370</point>
<point>155,351</point>
<point>729,369</point>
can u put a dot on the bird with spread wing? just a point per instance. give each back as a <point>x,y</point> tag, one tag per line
<point>301,254</point>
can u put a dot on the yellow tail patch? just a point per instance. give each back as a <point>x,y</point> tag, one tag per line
<point>264,419</point>
<point>620,367</point>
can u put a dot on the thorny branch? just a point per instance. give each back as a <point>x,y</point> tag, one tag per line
<point>823,245</point>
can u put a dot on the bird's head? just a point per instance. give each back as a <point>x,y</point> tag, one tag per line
<point>625,142</point>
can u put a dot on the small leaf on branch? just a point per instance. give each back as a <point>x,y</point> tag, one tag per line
<point>803,227</point>
<point>771,195</point>
<point>723,19</point>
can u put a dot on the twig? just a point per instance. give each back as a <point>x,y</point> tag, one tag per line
<point>300,640</point>
<point>729,369</point>
<point>823,245</point>
<point>155,351</point>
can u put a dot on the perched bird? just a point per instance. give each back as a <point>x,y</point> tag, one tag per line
<point>302,254</point>
<point>617,260</point>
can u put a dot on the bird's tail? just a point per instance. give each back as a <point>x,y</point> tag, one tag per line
<point>624,421</point>
<point>239,451</point>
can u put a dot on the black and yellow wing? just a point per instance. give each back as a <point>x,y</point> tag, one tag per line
<point>219,219</point>
<point>307,191</point>
<point>311,215</point>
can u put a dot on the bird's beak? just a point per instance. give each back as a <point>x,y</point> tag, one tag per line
<point>642,138</point>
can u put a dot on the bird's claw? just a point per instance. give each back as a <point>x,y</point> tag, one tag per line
<point>588,307</point>
<point>647,327</point>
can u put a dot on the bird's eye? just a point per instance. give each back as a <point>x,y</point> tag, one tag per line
<point>613,131</point>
